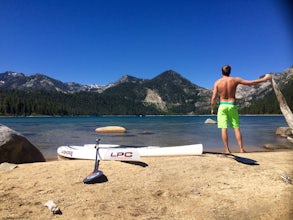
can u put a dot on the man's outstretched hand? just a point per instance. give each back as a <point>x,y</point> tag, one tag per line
<point>268,77</point>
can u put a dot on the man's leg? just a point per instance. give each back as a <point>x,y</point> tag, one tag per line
<point>234,119</point>
<point>238,136</point>
<point>225,140</point>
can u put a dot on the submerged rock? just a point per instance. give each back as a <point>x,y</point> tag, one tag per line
<point>287,145</point>
<point>284,131</point>
<point>290,139</point>
<point>210,121</point>
<point>15,148</point>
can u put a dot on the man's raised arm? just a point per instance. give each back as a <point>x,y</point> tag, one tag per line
<point>256,81</point>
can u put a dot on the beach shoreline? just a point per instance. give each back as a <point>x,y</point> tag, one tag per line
<point>207,186</point>
<point>53,156</point>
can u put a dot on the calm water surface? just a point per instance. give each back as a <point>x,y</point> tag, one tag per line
<point>48,133</point>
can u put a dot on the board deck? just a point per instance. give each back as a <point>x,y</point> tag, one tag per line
<point>121,152</point>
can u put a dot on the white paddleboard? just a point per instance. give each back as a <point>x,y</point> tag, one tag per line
<point>120,152</point>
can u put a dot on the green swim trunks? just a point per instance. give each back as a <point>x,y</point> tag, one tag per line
<point>228,112</point>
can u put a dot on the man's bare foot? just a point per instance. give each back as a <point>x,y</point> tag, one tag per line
<point>242,151</point>
<point>228,151</point>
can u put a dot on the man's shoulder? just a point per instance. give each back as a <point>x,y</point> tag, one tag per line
<point>235,79</point>
<point>232,77</point>
<point>218,80</point>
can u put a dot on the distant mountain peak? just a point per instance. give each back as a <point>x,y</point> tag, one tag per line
<point>169,73</point>
<point>13,74</point>
<point>173,77</point>
<point>128,78</point>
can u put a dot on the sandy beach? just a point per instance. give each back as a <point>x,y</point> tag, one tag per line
<point>209,186</point>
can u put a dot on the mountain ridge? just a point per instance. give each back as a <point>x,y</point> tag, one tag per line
<point>167,93</point>
<point>13,80</point>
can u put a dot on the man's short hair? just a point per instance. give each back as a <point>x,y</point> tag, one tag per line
<point>226,70</point>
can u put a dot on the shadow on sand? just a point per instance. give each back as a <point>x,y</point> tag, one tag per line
<point>243,160</point>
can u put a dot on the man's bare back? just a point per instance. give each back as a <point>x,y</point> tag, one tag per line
<point>226,87</point>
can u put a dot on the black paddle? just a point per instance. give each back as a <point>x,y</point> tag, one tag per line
<point>97,175</point>
<point>243,160</point>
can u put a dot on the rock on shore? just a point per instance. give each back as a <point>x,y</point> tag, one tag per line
<point>15,148</point>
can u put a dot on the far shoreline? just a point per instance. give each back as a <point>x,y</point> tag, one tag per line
<point>65,116</point>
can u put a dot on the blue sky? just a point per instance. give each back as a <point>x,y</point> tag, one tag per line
<point>99,41</point>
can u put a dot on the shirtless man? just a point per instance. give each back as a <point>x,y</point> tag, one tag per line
<point>227,111</point>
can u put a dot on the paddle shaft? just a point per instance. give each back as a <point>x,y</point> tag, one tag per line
<point>97,161</point>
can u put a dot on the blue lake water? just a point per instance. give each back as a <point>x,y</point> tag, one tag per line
<point>48,133</point>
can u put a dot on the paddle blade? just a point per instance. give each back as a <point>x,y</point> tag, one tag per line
<point>95,177</point>
<point>245,160</point>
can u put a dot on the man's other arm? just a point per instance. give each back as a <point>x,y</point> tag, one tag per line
<point>254,82</point>
<point>214,97</point>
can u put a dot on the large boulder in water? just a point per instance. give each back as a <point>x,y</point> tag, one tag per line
<point>15,148</point>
